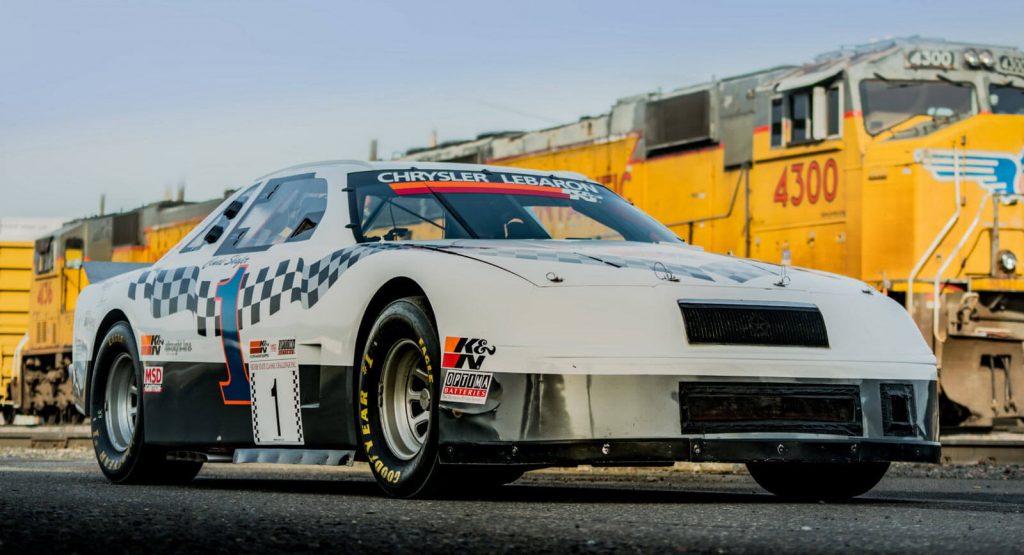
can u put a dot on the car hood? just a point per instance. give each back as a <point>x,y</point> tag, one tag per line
<point>602,263</point>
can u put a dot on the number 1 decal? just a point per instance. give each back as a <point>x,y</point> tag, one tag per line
<point>277,406</point>
<point>235,390</point>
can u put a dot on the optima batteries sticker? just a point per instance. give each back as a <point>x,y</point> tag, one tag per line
<point>461,386</point>
<point>418,182</point>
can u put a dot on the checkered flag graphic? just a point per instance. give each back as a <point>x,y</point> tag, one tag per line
<point>577,258</point>
<point>168,291</point>
<point>297,406</point>
<point>206,310</point>
<point>737,270</point>
<point>262,293</point>
<point>265,292</point>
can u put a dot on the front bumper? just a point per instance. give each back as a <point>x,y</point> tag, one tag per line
<point>616,419</point>
<point>79,376</point>
<point>664,451</point>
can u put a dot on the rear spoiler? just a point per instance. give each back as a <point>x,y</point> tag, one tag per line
<point>99,271</point>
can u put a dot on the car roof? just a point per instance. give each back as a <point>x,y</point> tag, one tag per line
<point>361,165</point>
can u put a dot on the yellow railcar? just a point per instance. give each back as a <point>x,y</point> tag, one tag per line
<point>898,163</point>
<point>62,264</point>
<point>15,276</point>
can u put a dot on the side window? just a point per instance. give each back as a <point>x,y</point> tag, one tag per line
<point>215,229</point>
<point>777,114</point>
<point>814,114</point>
<point>835,111</point>
<point>411,218</point>
<point>800,117</point>
<point>44,255</point>
<point>286,209</point>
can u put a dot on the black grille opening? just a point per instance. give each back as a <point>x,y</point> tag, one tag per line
<point>723,323</point>
<point>770,407</point>
<point>897,409</point>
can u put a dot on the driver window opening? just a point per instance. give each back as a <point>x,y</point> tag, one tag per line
<point>286,210</point>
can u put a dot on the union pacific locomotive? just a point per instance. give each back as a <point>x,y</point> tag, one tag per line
<point>64,262</point>
<point>897,162</point>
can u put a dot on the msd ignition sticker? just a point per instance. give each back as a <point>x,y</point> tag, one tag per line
<point>274,386</point>
<point>418,182</point>
<point>465,386</point>
<point>153,379</point>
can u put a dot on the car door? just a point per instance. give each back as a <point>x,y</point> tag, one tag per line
<point>180,360</point>
<point>249,299</point>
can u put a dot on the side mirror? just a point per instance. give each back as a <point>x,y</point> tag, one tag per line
<point>232,210</point>
<point>214,234</point>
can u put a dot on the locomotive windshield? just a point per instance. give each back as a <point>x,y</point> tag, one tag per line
<point>445,204</point>
<point>1006,99</point>
<point>888,102</point>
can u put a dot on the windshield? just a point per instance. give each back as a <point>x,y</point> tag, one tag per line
<point>887,103</point>
<point>416,205</point>
<point>1006,99</point>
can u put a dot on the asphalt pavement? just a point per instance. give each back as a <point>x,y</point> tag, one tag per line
<point>56,501</point>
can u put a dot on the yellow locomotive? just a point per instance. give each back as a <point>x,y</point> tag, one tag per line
<point>898,163</point>
<point>63,263</point>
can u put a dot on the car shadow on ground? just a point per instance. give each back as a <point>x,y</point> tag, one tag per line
<point>515,493</point>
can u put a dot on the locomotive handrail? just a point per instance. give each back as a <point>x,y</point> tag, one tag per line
<point>949,259</point>
<point>938,238</point>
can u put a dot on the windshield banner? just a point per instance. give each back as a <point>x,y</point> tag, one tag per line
<point>418,182</point>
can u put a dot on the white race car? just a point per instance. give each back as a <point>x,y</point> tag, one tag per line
<point>455,325</point>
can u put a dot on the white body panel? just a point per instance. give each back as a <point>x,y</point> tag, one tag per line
<point>598,319</point>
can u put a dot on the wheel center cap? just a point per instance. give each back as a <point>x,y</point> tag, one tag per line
<point>425,399</point>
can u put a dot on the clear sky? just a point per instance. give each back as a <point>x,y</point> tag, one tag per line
<point>130,98</point>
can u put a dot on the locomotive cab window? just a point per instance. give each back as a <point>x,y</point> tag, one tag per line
<point>1006,99</point>
<point>813,114</point>
<point>286,210</point>
<point>44,255</point>
<point>777,127</point>
<point>834,109</point>
<point>800,117</point>
<point>914,107</point>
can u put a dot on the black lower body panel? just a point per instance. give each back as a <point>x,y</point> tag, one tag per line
<point>661,451</point>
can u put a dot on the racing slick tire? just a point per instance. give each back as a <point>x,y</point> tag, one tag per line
<point>817,481</point>
<point>116,417</point>
<point>398,398</point>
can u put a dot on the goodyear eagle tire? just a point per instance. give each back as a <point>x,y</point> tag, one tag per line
<point>817,481</point>
<point>397,399</point>
<point>116,417</point>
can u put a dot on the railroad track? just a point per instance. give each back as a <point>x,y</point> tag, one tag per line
<point>45,437</point>
<point>997,448</point>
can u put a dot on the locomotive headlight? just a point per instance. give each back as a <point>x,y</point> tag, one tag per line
<point>1007,262</point>
<point>971,57</point>
<point>987,59</point>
